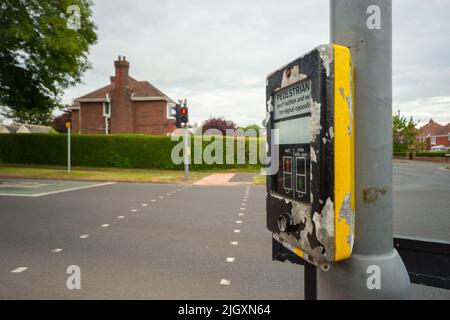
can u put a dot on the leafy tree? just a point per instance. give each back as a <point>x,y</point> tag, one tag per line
<point>256,128</point>
<point>404,132</point>
<point>218,123</point>
<point>43,51</point>
<point>59,123</point>
<point>36,116</point>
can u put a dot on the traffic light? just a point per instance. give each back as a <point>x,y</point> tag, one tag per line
<point>184,118</point>
<point>177,115</point>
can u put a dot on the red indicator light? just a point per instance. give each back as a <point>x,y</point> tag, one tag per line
<point>183,110</point>
<point>287,165</point>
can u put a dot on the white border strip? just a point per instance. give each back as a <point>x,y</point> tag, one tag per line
<point>58,191</point>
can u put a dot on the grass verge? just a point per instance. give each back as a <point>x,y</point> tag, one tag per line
<point>97,174</point>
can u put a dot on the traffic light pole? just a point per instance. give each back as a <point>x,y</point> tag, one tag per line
<point>186,153</point>
<point>375,270</point>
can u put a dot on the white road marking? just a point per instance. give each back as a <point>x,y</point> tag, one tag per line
<point>234,243</point>
<point>153,200</point>
<point>225,282</point>
<point>19,269</point>
<point>60,191</point>
<point>84,236</point>
<point>144,204</point>
<point>57,250</point>
<point>161,197</point>
<point>243,204</point>
<point>239,222</point>
<point>241,214</point>
<point>242,208</point>
<point>168,194</point>
<point>245,200</point>
<point>133,210</point>
<point>230,259</point>
<point>105,225</point>
<point>121,217</point>
<point>237,230</point>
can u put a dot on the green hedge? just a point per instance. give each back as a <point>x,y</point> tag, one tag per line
<point>400,154</point>
<point>123,151</point>
<point>432,154</point>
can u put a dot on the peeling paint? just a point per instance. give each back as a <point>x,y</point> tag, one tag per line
<point>326,55</point>
<point>348,214</point>
<point>315,120</point>
<point>301,214</point>
<point>324,223</point>
<point>371,194</point>
<point>313,154</point>
<point>292,75</point>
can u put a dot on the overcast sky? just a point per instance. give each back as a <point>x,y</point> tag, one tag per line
<point>217,53</point>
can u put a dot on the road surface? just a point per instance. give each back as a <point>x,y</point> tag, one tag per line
<point>156,241</point>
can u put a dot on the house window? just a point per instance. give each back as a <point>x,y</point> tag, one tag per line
<point>433,140</point>
<point>106,109</point>
<point>449,136</point>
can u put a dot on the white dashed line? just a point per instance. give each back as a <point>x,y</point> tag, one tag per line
<point>231,259</point>
<point>153,200</point>
<point>243,204</point>
<point>161,197</point>
<point>121,217</point>
<point>144,204</point>
<point>133,210</point>
<point>168,194</point>
<point>105,225</point>
<point>237,231</point>
<point>241,214</point>
<point>242,208</point>
<point>57,250</point>
<point>234,243</point>
<point>239,222</point>
<point>225,282</point>
<point>84,236</point>
<point>19,269</point>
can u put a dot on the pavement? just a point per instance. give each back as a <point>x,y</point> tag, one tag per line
<point>162,241</point>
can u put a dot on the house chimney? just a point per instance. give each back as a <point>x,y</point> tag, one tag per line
<point>121,77</point>
<point>121,111</point>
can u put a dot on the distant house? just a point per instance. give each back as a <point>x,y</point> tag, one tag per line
<point>8,128</point>
<point>28,128</point>
<point>435,136</point>
<point>125,105</point>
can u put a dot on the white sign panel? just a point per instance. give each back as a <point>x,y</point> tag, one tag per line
<point>293,101</point>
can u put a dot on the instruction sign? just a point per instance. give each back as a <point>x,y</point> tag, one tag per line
<point>293,101</point>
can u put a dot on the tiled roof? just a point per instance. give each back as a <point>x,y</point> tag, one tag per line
<point>139,88</point>
<point>431,128</point>
<point>445,130</point>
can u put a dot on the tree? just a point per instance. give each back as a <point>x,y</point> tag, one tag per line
<point>43,51</point>
<point>404,132</point>
<point>252,130</point>
<point>59,123</point>
<point>218,123</point>
<point>35,116</point>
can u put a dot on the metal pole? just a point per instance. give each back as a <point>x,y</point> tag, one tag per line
<point>186,154</point>
<point>68,150</point>
<point>310,282</point>
<point>375,270</point>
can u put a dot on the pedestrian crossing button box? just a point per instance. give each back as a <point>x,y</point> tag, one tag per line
<point>310,199</point>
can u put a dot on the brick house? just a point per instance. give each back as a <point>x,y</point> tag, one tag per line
<point>433,135</point>
<point>125,105</point>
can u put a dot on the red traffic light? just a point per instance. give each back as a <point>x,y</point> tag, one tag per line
<point>183,111</point>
